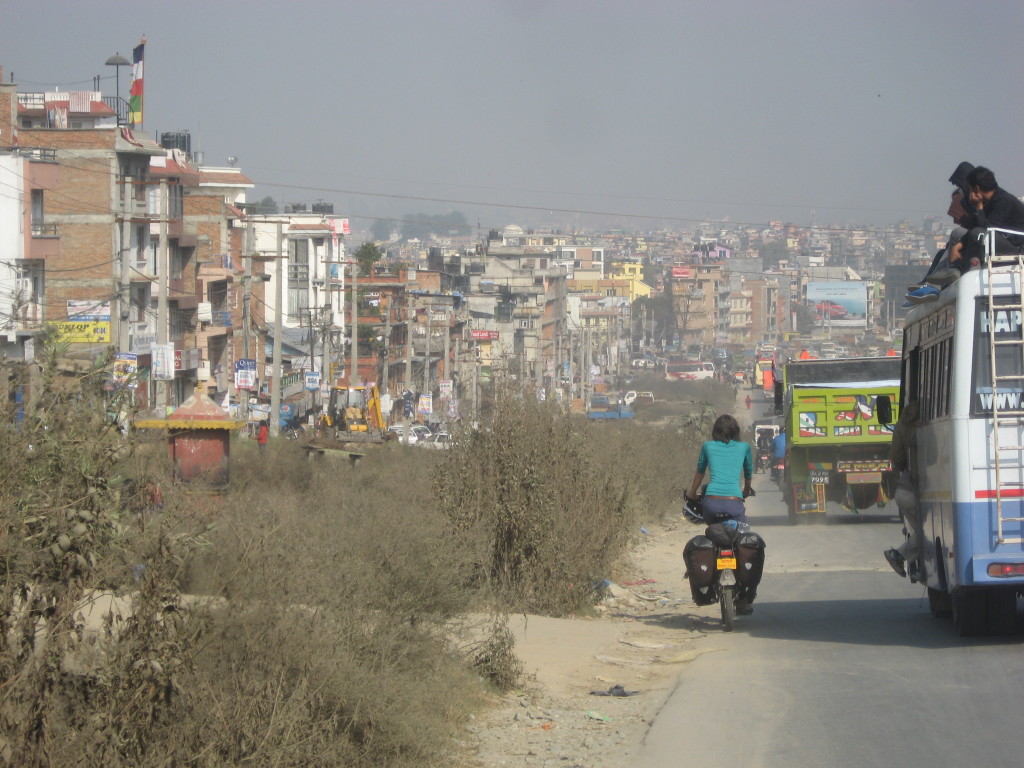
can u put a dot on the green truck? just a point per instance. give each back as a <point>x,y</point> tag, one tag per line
<point>836,449</point>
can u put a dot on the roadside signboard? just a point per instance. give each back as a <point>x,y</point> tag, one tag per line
<point>82,332</point>
<point>245,374</point>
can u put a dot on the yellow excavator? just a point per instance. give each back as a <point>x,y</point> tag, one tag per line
<point>354,413</point>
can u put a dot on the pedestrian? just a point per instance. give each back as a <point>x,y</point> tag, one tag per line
<point>262,434</point>
<point>748,401</point>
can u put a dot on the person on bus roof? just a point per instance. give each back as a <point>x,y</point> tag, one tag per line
<point>988,205</point>
<point>941,273</point>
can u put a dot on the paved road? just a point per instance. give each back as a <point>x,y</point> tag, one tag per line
<point>841,665</point>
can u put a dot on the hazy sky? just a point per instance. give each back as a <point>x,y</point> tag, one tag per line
<point>853,111</point>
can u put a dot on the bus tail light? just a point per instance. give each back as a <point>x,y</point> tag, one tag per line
<point>1005,569</point>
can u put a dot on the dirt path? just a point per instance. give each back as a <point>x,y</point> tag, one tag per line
<point>648,630</point>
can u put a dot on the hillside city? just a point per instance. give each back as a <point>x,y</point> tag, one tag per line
<point>111,237</point>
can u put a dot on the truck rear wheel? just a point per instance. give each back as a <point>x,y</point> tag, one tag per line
<point>863,495</point>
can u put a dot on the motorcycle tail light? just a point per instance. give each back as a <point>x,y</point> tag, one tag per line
<point>1005,569</point>
<point>728,553</point>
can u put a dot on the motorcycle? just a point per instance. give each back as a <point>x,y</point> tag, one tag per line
<point>724,565</point>
<point>763,460</point>
<point>778,467</point>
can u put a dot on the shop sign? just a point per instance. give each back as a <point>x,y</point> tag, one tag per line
<point>82,331</point>
<point>245,374</point>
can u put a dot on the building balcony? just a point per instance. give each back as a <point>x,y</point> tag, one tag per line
<point>44,230</point>
<point>28,316</point>
<point>44,242</point>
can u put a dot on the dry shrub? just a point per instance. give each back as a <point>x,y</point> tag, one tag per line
<point>332,645</point>
<point>494,656</point>
<point>69,533</point>
<point>545,520</point>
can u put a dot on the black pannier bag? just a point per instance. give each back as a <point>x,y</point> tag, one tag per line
<point>720,535</point>
<point>749,549</point>
<point>699,555</point>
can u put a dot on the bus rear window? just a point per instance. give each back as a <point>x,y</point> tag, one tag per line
<point>1006,324</point>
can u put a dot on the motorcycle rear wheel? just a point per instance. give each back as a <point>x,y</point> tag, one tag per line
<point>728,601</point>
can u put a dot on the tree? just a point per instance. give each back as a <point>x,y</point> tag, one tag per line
<point>805,316</point>
<point>367,255</point>
<point>267,205</point>
<point>421,226</point>
<point>381,229</point>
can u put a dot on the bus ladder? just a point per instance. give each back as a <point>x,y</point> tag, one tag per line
<point>1006,417</point>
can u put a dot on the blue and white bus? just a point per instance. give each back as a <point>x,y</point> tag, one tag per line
<point>970,443</point>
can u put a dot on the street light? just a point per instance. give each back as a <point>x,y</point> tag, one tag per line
<point>117,61</point>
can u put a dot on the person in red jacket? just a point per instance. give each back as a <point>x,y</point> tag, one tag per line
<point>262,434</point>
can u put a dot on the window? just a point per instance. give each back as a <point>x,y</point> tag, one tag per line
<point>1006,327</point>
<point>930,375</point>
<point>298,279</point>
<point>38,219</point>
<point>178,260</point>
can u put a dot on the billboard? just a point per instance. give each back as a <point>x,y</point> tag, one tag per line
<point>840,304</point>
<point>82,332</point>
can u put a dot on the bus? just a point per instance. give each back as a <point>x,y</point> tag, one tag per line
<point>690,370</point>
<point>963,363</point>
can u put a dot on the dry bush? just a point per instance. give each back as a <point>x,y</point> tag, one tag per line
<point>545,519</point>
<point>69,532</point>
<point>331,647</point>
<point>657,463</point>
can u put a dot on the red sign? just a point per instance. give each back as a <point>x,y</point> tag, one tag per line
<point>681,272</point>
<point>484,335</point>
<point>187,359</point>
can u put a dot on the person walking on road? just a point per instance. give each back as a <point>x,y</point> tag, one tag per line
<point>748,401</point>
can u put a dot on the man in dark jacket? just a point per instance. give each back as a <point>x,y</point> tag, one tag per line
<point>988,205</point>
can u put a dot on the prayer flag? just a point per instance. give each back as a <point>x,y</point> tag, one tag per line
<point>135,95</point>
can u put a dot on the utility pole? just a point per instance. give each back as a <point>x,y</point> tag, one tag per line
<point>312,349</point>
<point>447,351</point>
<point>163,281</point>
<point>353,374</point>
<point>408,367</point>
<point>387,346</point>
<point>458,368</point>
<point>247,305</point>
<point>275,384</point>
<point>426,353</point>
<point>586,372</point>
<point>123,302</point>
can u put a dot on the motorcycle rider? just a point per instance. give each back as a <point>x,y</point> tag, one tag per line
<point>729,460</point>
<point>778,451</point>
<point>764,447</point>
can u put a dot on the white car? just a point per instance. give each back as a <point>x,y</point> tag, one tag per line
<point>440,440</point>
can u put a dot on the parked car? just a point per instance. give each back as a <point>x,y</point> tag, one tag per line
<point>439,440</point>
<point>421,432</point>
<point>399,431</point>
